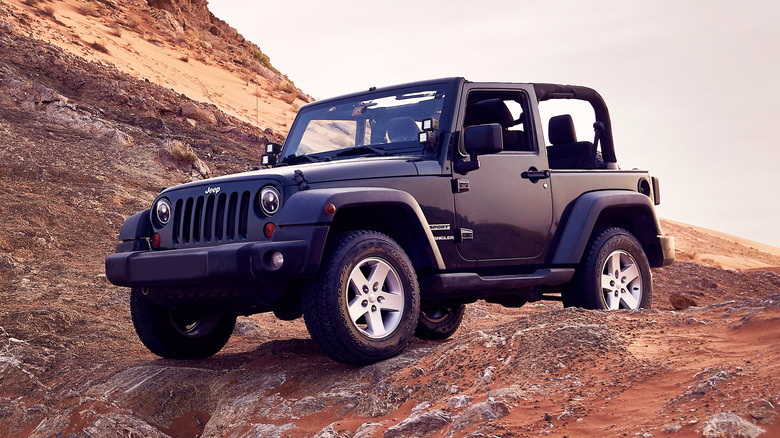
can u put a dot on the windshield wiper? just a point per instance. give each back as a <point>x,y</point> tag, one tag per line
<point>361,150</point>
<point>297,159</point>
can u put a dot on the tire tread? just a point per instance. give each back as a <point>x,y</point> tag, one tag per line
<point>322,328</point>
<point>579,292</point>
<point>156,332</point>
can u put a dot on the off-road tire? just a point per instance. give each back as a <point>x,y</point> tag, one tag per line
<point>174,334</point>
<point>333,305</point>
<point>614,273</point>
<point>439,323</point>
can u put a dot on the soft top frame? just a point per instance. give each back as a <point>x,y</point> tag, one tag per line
<point>556,91</point>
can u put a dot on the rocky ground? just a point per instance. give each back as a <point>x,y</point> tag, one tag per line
<point>84,145</point>
<point>71,364</point>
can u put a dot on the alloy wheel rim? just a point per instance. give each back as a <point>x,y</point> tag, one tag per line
<point>621,281</point>
<point>375,298</point>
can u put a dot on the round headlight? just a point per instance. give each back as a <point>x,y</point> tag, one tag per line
<point>163,211</point>
<point>269,200</point>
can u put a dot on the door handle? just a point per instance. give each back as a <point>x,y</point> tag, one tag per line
<point>535,175</point>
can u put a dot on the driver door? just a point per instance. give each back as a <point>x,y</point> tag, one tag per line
<point>502,215</point>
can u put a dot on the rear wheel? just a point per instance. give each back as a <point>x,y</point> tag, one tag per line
<point>179,334</point>
<point>438,323</point>
<point>363,305</point>
<point>614,274</point>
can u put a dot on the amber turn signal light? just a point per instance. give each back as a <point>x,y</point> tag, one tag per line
<point>268,229</point>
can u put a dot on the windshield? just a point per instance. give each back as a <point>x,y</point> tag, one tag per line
<point>383,124</point>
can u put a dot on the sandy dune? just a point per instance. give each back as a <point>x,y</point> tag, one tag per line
<point>713,248</point>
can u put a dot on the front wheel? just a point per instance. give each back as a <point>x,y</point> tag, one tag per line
<point>179,334</point>
<point>363,305</point>
<point>614,274</point>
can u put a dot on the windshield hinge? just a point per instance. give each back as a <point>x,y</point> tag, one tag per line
<point>300,180</point>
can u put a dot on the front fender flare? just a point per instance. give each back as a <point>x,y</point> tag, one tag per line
<point>137,226</point>
<point>308,208</point>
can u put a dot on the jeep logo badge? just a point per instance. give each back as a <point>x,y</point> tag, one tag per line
<point>213,190</point>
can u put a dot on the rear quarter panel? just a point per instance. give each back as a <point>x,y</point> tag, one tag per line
<point>569,185</point>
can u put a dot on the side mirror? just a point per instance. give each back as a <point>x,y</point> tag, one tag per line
<point>271,155</point>
<point>480,140</point>
<point>483,139</point>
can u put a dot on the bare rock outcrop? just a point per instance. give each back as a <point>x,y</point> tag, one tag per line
<point>420,425</point>
<point>682,301</point>
<point>727,425</point>
<point>487,410</point>
<point>192,110</point>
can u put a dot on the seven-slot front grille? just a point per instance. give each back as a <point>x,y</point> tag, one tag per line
<point>211,218</point>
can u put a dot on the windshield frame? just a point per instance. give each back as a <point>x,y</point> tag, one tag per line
<point>448,87</point>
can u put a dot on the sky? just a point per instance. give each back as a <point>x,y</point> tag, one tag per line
<point>692,86</point>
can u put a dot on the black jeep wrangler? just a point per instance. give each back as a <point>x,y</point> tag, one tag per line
<point>385,212</point>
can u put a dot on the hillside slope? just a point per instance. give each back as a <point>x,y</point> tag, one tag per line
<point>84,144</point>
<point>177,44</point>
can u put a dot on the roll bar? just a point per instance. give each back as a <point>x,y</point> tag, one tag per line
<point>556,91</point>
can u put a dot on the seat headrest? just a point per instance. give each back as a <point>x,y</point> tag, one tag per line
<point>489,111</point>
<point>561,130</point>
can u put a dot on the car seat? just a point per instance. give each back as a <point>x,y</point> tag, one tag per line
<point>566,152</point>
<point>495,111</point>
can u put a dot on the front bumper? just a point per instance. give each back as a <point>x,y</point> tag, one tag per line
<point>244,262</point>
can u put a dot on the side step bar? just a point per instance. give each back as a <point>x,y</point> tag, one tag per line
<point>466,283</point>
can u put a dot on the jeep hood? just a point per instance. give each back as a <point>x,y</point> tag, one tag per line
<point>326,171</point>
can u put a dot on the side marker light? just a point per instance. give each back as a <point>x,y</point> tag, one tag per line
<point>268,229</point>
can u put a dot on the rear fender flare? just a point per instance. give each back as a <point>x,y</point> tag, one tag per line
<point>573,235</point>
